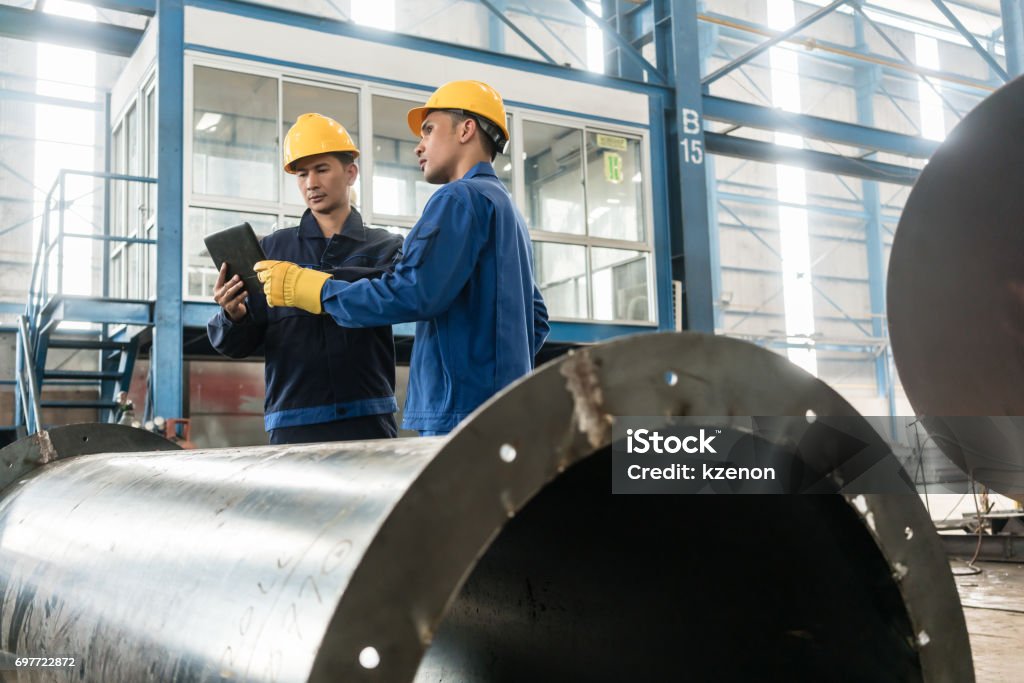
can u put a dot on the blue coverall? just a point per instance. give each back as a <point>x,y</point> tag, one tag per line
<point>466,278</point>
<point>324,382</point>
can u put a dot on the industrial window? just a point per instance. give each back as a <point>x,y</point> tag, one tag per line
<point>201,221</point>
<point>587,217</point>
<point>581,187</point>
<point>561,274</point>
<point>118,203</point>
<point>234,134</point>
<point>553,174</point>
<point>399,190</point>
<point>301,98</point>
<point>238,129</point>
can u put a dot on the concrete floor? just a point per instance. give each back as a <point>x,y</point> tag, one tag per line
<point>994,609</point>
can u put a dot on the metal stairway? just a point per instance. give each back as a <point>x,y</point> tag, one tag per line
<point>114,327</point>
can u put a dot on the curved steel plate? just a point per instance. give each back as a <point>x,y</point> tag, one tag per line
<point>289,563</point>
<point>956,288</point>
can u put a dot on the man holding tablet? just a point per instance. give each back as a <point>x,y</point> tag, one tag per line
<point>466,277</point>
<point>324,382</point>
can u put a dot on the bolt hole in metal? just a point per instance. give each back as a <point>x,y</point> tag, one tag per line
<point>369,658</point>
<point>584,585</point>
<point>507,453</point>
<point>671,378</point>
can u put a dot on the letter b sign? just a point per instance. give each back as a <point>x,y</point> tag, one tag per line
<point>690,122</point>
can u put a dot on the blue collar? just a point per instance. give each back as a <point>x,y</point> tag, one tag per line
<point>353,227</point>
<point>482,168</point>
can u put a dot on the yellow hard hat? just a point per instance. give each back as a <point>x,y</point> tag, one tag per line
<point>316,134</point>
<point>473,97</point>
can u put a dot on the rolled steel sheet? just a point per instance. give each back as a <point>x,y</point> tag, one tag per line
<point>956,293</point>
<point>497,553</point>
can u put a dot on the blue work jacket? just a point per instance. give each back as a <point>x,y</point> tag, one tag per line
<point>466,278</point>
<point>317,371</point>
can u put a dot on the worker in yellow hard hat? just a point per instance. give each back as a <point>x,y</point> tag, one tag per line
<point>466,277</point>
<point>324,382</point>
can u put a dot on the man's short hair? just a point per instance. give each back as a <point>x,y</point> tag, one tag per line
<point>492,137</point>
<point>345,158</point>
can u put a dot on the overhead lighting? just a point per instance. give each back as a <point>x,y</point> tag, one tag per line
<point>507,167</point>
<point>638,178</point>
<point>207,121</point>
<point>613,200</point>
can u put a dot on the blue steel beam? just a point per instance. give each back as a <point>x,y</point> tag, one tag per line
<point>759,49</point>
<point>24,24</point>
<point>969,37</point>
<point>708,42</point>
<point>744,148</point>
<point>1013,35</point>
<point>167,360</point>
<point>34,98</point>
<point>614,63</point>
<point>853,135</point>
<point>498,14</point>
<point>691,240</point>
<point>146,8</point>
<point>627,49</point>
<point>868,78</point>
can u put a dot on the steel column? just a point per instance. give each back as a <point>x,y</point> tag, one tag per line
<point>166,356</point>
<point>868,77</point>
<point>1013,36</point>
<point>691,239</point>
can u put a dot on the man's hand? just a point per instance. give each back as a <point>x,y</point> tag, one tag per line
<point>287,284</point>
<point>230,295</point>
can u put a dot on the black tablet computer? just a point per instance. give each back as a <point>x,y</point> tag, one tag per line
<point>240,249</point>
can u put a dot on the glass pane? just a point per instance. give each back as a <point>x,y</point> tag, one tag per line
<point>503,163</point>
<point>554,177</point>
<point>300,99</point>
<point>398,185</point>
<point>201,222</point>
<point>117,288</point>
<point>235,149</point>
<point>151,152</point>
<point>561,273</point>
<point>151,262</point>
<point>118,197</point>
<point>135,215</point>
<point>621,290</point>
<point>614,187</point>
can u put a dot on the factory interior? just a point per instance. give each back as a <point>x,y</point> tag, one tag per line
<point>794,226</point>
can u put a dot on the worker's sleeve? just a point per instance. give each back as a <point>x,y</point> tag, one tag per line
<point>540,321</point>
<point>441,252</point>
<point>235,340</point>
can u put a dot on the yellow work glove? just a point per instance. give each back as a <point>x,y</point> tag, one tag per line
<point>287,284</point>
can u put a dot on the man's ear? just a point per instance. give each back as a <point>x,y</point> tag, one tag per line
<point>353,173</point>
<point>466,129</point>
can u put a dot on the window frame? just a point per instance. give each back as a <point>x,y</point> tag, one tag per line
<point>365,91</point>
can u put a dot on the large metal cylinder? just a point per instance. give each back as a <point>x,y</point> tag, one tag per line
<point>495,554</point>
<point>956,293</point>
